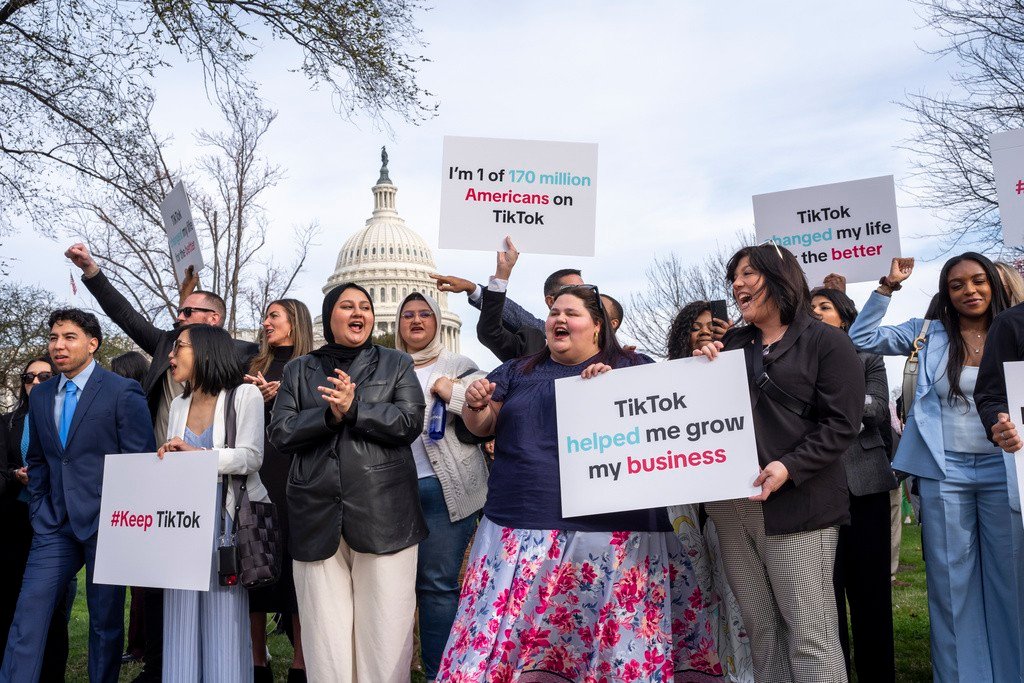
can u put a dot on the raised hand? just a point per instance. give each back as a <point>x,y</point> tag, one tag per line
<point>506,260</point>
<point>80,256</point>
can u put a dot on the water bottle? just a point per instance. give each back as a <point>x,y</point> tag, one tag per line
<point>438,418</point>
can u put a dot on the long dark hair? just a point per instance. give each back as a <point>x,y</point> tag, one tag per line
<point>131,364</point>
<point>783,279</point>
<point>678,342</point>
<point>950,319</point>
<point>843,304</point>
<point>22,406</point>
<point>610,351</point>
<point>301,338</point>
<point>215,365</point>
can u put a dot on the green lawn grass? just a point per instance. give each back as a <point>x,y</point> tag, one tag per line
<point>910,621</point>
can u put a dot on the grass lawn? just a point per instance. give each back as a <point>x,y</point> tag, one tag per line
<point>910,620</point>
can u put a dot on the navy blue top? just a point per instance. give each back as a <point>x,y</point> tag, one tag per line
<point>523,490</point>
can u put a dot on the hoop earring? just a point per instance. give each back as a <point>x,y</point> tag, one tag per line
<point>597,333</point>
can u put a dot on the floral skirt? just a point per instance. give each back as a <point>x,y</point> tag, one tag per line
<point>541,606</point>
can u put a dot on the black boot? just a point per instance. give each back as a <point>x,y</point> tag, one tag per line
<point>262,674</point>
<point>296,676</point>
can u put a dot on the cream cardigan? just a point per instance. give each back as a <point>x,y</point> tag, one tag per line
<point>247,455</point>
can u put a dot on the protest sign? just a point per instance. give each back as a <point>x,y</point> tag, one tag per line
<point>1014,374</point>
<point>655,435</point>
<point>542,194</point>
<point>181,232</point>
<point>847,228</point>
<point>1008,164</point>
<point>157,520</point>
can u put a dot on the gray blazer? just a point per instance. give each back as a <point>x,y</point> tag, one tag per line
<point>867,465</point>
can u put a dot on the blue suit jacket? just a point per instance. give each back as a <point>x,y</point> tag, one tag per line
<point>65,482</point>
<point>921,451</point>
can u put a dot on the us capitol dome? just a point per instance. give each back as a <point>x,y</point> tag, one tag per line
<point>390,260</point>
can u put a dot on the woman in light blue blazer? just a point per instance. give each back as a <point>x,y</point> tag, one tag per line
<point>965,509</point>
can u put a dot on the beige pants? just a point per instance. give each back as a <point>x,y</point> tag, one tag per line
<point>783,585</point>
<point>356,611</point>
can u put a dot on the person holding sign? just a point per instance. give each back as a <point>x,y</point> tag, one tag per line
<point>692,328</point>
<point>863,555</point>
<point>451,470</point>
<point>602,596</point>
<point>206,634</point>
<point>807,393</point>
<point>1005,344</point>
<point>964,501</point>
<point>347,413</point>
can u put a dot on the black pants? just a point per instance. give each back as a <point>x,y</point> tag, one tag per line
<point>862,578</point>
<point>16,541</point>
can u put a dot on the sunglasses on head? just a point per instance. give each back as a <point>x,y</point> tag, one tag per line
<point>187,311</point>
<point>774,244</point>
<point>569,289</point>
<point>29,377</point>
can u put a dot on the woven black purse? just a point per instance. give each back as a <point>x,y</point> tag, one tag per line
<point>257,529</point>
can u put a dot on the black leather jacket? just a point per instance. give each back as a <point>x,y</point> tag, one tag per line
<point>357,480</point>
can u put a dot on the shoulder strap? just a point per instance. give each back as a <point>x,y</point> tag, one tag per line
<point>230,419</point>
<point>768,387</point>
<point>230,432</point>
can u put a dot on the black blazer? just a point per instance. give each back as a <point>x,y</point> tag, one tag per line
<point>502,342</point>
<point>817,364</point>
<point>867,464</point>
<point>151,339</point>
<point>357,480</point>
<point>11,426</point>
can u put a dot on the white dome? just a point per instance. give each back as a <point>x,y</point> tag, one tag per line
<point>390,260</point>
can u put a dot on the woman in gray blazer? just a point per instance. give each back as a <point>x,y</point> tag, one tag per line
<point>452,475</point>
<point>863,553</point>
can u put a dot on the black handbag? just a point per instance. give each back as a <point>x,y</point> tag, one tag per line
<point>258,543</point>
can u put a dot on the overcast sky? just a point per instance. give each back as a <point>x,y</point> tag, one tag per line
<point>695,107</point>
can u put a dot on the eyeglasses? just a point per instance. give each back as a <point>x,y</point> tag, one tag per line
<point>772,242</point>
<point>29,377</point>
<point>178,345</point>
<point>422,315</point>
<point>187,311</point>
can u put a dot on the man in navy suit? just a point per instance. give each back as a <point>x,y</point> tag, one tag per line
<point>76,419</point>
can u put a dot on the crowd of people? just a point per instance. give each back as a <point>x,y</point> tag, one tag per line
<point>379,505</point>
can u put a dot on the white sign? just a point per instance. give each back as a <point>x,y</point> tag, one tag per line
<point>1008,165</point>
<point>157,519</point>
<point>181,232</point>
<point>542,194</point>
<point>1014,374</point>
<point>656,435</point>
<point>847,228</point>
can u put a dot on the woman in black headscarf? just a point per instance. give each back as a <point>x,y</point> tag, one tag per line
<point>348,412</point>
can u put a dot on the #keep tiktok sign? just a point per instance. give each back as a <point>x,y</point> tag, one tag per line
<point>1008,164</point>
<point>656,435</point>
<point>541,194</point>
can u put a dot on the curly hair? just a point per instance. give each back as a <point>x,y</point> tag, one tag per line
<point>678,342</point>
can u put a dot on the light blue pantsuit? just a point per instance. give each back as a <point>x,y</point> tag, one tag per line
<point>971,580</point>
<point>973,549</point>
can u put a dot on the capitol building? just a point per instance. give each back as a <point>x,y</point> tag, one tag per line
<point>390,260</point>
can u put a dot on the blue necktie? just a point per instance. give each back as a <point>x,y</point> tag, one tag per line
<point>68,413</point>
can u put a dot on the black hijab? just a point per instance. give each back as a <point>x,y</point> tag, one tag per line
<point>331,354</point>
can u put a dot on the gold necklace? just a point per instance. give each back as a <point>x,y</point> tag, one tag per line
<point>968,343</point>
